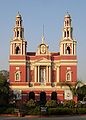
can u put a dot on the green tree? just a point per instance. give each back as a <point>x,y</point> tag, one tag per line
<point>69,104</point>
<point>81,92</point>
<point>4,90</point>
<point>73,87</point>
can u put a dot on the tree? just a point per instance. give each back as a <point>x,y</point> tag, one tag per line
<point>4,90</point>
<point>5,73</point>
<point>73,88</point>
<point>81,91</point>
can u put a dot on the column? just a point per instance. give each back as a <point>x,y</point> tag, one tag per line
<point>13,48</point>
<point>24,49</point>
<point>35,73</point>
<point>57,73</point>
<point>64,49</point>
<point>38,73</point>
<point>27,73</point>
<point>72,49</point>
<point>21,52</point>
<point>49,73</point>
<point>47,79</point>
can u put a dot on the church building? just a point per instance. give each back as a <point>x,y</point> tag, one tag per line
<point>42,75</point>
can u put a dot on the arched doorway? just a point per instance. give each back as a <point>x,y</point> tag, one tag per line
<point>68,50</point>
<point>32,95</point>
<point>42,98</point>
<point>54,96</point>
<point>17,50</point>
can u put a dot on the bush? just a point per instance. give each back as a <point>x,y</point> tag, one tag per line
<point>2,110</point>
<point>84,99</point>
<point>31,103</point>
<point>59,111</point>
<point>79,104</point>
<point>34,111</point>
<point>69,104</point>
<point>51,103</point>
<point>81,111</point>
<point>9,111</point>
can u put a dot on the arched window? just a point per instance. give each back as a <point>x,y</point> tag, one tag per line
<point>17,76</point>
<point>18,23</point>
<point>54,96</point>
<point>17,50</point>
<point>64,33</point>
<point>67,22</point>
<point>32,95</point>
<point>21,34</point>
<point>68,76</point>
<point>17,33</point>
<point>68,50</point>
<point>67,33</point>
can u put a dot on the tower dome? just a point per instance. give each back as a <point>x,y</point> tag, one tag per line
<point>18,15</point>
<point>67,15</point>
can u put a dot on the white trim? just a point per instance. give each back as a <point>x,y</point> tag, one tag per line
<point>17,64</point>
<point>35,74</point>
<point>49,73</point>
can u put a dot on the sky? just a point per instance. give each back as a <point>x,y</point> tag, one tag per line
<point>51,13</point>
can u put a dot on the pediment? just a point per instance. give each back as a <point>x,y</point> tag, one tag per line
<point>16,41</point>
<point>42,60</point>
<point>67,40</point>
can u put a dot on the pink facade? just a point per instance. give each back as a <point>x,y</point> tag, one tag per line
<point>39,74</point>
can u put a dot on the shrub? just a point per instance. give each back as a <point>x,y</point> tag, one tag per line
<point>59,111</point>
<point>51,103</point>
<point>69,104</point>
<point>2,109</point>
<point>34,111</point>
<point>84,99</point>
<point>81,111</point>
<point>9,111</point>
<point>31,103</point>
<point>79,104</point>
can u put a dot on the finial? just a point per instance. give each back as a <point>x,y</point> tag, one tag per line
<point>43,35</point>
<point>18,14</point>
<point>67,14</point>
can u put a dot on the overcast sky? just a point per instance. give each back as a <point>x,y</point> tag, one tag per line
<point>51,13</point>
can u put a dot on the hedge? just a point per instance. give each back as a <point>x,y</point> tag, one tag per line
<point>49,111</point>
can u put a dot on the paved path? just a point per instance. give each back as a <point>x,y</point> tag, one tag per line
<point>44,118</point>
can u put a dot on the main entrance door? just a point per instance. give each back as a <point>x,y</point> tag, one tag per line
<point>42,98</point>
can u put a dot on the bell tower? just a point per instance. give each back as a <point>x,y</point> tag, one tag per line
<point>18,44</point>
<point>67,43</point>
<point>18,53</point>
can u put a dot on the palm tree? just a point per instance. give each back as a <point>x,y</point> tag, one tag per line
<point>73,88</point>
